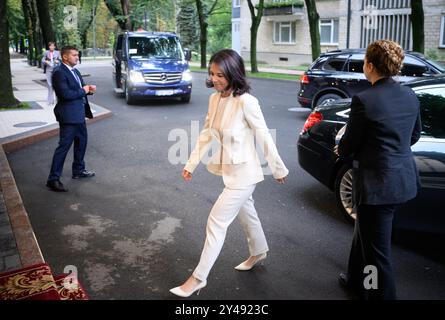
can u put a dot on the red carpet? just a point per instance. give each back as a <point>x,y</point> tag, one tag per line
<point>70,291</point>
<point>37,283</point>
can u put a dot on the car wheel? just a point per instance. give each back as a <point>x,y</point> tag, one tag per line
<point>343,193</point>
<point>128,97</point>
<point>186,98</point>
<point>327,98</point>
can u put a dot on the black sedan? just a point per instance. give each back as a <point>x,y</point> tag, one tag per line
<point>424,215</point>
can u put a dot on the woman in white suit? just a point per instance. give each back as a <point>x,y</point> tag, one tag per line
<point>234,119</point>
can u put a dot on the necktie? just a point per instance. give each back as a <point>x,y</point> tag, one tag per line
<point>79,82</point>
<point>76,77</point>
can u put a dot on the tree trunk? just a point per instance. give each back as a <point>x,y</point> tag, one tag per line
<point>203,33</point>
<point>22,45</point>
<point>45,21</point>
<point>256,20</point>
<point>115,11</point>
<point>34,30</point>
<point>126,12</point>
<point>84,32</point>
<point>314,26</point>
<point>7,98</point>
<point>30,34</point>
<point>417,19</point>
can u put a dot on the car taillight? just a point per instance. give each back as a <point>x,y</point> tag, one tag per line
<point>314,118</point>
<point>304,79</point>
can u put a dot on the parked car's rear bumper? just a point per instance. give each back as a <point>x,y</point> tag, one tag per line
<point>316,160</point>
<point>305,102</point>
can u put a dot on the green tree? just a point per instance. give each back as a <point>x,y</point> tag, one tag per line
<point>203,15</point>
<point>160,14</point>
<point>314,27</point>
<point>106,26</point>
<point>88,9</point>
<point>187,24</point>
<point>120,10</point>
<point>256,20</point>
<point>417,22</point>
<point>7,98</point>
<point>34,45</point>
<point>17,27</point>
<point>28,30</point>
<point>220,28</point>
<point>45,21</point>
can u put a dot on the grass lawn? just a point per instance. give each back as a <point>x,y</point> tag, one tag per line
<point>265,75</point>
<point>21,106</point>
<point>269,75</point>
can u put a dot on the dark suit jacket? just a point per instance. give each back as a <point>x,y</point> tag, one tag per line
<point>383,124</point>
<point>72,105</point>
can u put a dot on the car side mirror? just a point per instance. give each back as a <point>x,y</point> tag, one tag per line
<point>188,54</point>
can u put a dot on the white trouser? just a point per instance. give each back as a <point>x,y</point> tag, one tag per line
<point>49,80</point>
<point>230,204</point>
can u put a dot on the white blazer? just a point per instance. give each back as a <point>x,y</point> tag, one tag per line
<point>236,159</point>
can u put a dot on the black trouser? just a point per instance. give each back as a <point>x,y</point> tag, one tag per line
<point>70,133</point>
<point>371,245</point>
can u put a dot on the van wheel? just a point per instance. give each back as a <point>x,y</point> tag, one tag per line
<point>186,98</point>
<point>327,98</point>
<point>128,97</point>
<point>343,193</point>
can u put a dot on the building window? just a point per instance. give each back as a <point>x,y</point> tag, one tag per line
<point>329,31</point>
<point>442,33</point>
<point>236,3</point>
<point>236,27</point>
<point>284,32</point>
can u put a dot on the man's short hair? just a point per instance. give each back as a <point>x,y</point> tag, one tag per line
<point>67,49</point>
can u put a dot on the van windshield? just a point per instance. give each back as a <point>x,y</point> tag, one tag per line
<point>154,47</point>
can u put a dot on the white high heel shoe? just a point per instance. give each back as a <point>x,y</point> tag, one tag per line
<point>245,266</point>
<point>181,293</point>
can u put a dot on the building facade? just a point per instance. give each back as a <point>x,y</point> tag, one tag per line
<point>284,38</point>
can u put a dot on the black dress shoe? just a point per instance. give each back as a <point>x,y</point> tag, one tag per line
<point>84,174</point>
<point>343,279</point>
<point>351,287</point>
<point>56,185</point>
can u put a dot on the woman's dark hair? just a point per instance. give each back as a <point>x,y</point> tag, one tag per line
<point>232,66</point>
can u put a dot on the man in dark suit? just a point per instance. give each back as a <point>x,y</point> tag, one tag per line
<point>70,111</point>
<point>383,124</point>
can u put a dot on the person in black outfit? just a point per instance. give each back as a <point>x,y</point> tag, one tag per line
<point>383,124</point>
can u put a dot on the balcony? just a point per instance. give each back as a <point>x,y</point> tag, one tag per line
<point>275,10</point>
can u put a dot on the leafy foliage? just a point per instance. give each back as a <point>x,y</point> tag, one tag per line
<point>187,24</point>
<point>220,28</point>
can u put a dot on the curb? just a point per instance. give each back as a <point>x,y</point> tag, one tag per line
<point>27,244</point>
<point>18,143</point>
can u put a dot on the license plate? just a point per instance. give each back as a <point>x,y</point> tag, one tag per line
<point>165,92</point>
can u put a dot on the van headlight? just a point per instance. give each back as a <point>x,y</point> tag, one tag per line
<point>136,76</point>
<point>187,75</point>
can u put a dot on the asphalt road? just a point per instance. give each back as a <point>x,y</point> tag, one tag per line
<point>135,230</point>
